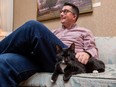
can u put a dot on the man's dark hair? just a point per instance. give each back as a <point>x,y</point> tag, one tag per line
<point>74,7</point>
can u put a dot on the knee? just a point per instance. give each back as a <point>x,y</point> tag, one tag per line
<point>3,60</point>
<point>3,64</point>
<point>7,61</point>
<point>7,58</point>
<point>33,23</point>
<point>35,26</point>
<point>6,74</point>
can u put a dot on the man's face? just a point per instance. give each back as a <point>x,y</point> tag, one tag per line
<point>67,16</point>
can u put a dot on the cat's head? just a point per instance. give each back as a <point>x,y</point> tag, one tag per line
<point>64,55</point>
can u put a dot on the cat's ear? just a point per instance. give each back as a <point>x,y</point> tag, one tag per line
<point>72,47</point>
<point>58,49</point>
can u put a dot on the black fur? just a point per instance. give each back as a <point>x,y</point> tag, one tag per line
<point>73,66</point>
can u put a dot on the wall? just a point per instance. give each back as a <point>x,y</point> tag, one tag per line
<point>24,10</point>
<point>102,22</point>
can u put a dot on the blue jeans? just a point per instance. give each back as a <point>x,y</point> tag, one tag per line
<point>29,49</point>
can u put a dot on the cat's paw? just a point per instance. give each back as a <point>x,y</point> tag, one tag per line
<point>54,77</point>
<point>95,71</point>
<point>52,81</point>
<point>66,79</point>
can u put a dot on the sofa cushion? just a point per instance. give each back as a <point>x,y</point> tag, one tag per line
<point>107,49</point>
<point>105,79</point>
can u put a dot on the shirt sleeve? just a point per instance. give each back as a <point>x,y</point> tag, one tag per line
<point>90,45</point>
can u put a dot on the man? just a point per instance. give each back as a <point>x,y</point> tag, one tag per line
<point>31,48</point>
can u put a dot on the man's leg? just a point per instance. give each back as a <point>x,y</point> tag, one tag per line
<point>35,40</point>
<point>14,68</point>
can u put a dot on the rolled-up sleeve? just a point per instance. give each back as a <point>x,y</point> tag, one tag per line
<point>90,45</point>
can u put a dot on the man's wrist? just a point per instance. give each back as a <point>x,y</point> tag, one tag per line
<point>89,54</point>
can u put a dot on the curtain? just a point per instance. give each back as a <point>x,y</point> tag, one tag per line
<point>6,15</point>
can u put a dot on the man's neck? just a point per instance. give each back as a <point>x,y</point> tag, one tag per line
<point>69,26</point>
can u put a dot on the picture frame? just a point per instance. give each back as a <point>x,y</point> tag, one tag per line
<point>49,9</point>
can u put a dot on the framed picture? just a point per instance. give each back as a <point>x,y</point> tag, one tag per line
<point>49,9</point>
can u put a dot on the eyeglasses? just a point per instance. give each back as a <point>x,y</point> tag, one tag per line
<point>65,11</point>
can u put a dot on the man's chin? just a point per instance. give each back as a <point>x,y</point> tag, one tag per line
<point>62,21</point>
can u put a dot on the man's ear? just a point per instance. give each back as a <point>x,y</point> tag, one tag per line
<point>72,47</point>
<point>75,16</point>
<point>58,49</point>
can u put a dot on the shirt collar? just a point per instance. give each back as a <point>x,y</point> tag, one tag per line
<point>70,27</point>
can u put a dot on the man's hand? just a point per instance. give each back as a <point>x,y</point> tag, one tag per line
<point>82,57</point>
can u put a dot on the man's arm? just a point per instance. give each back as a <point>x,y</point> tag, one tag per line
<point>90,49</point>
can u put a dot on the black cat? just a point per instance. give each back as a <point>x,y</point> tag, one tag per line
<point>69,65</point>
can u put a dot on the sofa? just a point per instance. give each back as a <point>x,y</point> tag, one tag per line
<point>107,53</point>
